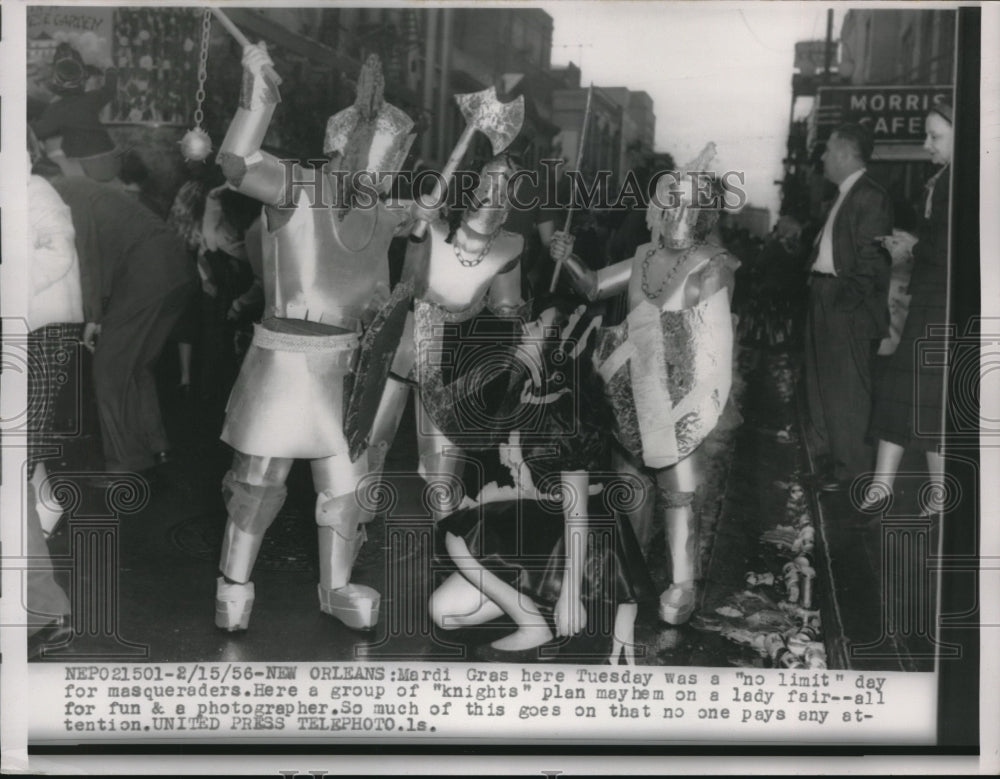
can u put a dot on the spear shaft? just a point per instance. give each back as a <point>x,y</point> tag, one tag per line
<point>579,162</point>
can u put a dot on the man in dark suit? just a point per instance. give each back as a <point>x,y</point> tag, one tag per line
<point>848,310</point>
<point>136,278</point>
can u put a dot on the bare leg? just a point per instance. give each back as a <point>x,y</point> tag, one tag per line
<point>532,629</point>
<point>459,603</point>
<point>886,467</point>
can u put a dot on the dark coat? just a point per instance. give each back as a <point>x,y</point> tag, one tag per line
<point>862,265</point>
<point>129,257</point>
<point>909,395</point>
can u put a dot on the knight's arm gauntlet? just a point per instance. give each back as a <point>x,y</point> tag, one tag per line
<point>597,285</point>
<point>613,279</point>
<point>246,167</point>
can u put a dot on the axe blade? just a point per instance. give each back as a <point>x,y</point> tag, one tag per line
<point>500,122</point>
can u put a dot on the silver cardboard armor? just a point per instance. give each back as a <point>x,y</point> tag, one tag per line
<point>673,213</point>
<point>452,292</point>
<point>311,274</point>
<point>667,375</point>
<point>325,274</point>
<point>370,135</point>
<point>289,398</point>
<point>321,269</point>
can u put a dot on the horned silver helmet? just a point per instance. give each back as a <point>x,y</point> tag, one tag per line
<point>371,135</point>
<point>491,199</point>
<point>673,213</point>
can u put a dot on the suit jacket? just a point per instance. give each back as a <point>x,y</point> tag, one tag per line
<point>863,266</point>
<point>127,253</point>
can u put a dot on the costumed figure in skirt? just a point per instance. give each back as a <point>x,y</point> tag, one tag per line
<point>454,277</point>
<point>553,550</point>
<point>326,286</point>
<point>667,369</point>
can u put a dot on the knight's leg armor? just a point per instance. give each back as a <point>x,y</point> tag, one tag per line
<point>393,401</point>
<point>678,602</point>
<point>642,513</point>
<point>443,473</point>
<point>440,465</point>
<point>340,519</point>
<point>387,419</point>
<point>254,491</point>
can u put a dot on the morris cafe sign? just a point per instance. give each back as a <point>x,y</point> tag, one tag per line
<point>892,114</point>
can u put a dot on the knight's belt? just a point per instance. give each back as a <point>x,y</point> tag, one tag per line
<point>344,343</point>
<point>435,312</point>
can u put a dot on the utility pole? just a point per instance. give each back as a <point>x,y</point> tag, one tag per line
<point>828,49</point>
<point>431,54</point>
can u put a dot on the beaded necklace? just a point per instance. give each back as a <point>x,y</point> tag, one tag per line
<point>654,294</point>
<point>472,263</point>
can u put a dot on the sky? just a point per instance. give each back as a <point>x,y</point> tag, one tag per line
<point>716,72</point>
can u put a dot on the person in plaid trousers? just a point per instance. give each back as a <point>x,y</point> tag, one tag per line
<point>55,319</point>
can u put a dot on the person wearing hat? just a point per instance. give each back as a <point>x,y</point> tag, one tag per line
<point>909,399</point>
<point>87,147</point>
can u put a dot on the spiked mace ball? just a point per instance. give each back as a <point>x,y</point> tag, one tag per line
<point>196,145</point>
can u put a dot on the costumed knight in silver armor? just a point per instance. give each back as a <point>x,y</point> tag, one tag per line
<point>667,369</point>
<point>326,276</point>
<point>454,278</point>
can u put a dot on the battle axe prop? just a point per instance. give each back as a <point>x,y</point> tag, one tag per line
<point>500,122</point>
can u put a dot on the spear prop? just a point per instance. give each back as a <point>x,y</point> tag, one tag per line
<point>579,162</point>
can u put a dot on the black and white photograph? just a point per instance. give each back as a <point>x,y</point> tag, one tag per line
<point>498,379</point>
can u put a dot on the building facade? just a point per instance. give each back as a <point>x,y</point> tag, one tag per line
<point>602,142</point>
<point>889,67</point>
<point>638,126</point>
<point>428,56</point>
